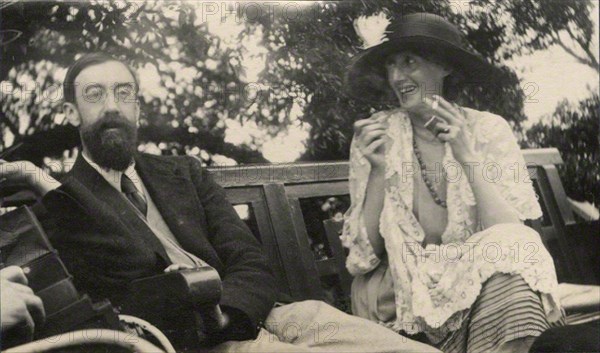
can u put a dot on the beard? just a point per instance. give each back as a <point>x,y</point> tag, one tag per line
<point>111,141</point>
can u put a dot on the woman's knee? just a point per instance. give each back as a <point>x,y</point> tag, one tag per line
<point>314,307</point>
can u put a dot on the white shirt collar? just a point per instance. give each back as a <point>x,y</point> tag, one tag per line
<point>113,177</point>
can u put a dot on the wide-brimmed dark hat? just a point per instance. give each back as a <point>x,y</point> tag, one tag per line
<point>366,77</point>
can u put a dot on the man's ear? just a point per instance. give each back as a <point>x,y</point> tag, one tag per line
<point>137,113</point>
<point>72,114</point>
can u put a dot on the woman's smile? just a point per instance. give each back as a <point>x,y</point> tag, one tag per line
<point>407,89</point>
<point>412,77</point>
<point>404,89</point>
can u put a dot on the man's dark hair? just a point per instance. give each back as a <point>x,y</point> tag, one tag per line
<point>83,62</point>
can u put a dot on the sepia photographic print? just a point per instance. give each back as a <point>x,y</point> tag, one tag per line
<point>300,176</point>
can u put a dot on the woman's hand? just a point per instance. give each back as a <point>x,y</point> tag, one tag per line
<point>492,207</point>
<point>458,136</point>
<point>370,137</point>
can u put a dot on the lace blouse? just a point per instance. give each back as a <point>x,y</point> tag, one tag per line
<point>433,285</point>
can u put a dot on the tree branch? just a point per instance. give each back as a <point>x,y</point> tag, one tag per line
<point>590,59</point>
<point>572,53</point>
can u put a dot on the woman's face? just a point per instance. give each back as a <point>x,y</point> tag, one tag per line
<point>413,78</point>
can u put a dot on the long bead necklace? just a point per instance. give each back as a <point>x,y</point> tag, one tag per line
<point>428,182</point>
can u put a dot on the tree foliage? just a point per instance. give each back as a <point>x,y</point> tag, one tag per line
<point>574,130</point>
<point>313,52</point>
<point>202,88</point>
<point>191,67</point>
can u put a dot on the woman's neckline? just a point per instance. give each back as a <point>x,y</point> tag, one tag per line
<point>426,136</point>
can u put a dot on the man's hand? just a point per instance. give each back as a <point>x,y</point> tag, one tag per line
<point>177,267</point>
<point>25,172</point>
<point>20,308</point>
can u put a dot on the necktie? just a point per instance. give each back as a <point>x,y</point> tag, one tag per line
<point>133,195</point>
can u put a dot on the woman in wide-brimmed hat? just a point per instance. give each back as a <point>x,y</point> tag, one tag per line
<point>439,193</point>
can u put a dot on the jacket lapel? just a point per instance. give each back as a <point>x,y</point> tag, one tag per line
<point>116,206</point>
<point>174,194</point>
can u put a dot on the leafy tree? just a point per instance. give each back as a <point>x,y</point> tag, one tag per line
<point>200,80</point>
<point>192,68</point>
<point>534,32</point>
<point>314,49</point>
<point>573,129</point>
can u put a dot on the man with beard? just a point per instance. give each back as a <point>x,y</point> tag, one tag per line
<point>123,215</point>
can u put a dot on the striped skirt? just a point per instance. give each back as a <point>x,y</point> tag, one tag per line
<point>506,310</point>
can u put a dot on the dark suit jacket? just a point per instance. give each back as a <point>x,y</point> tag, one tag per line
<point>105,245</point>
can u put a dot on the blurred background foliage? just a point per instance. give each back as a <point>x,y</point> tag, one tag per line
<point>574,130</point>
<point>200,96</point>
